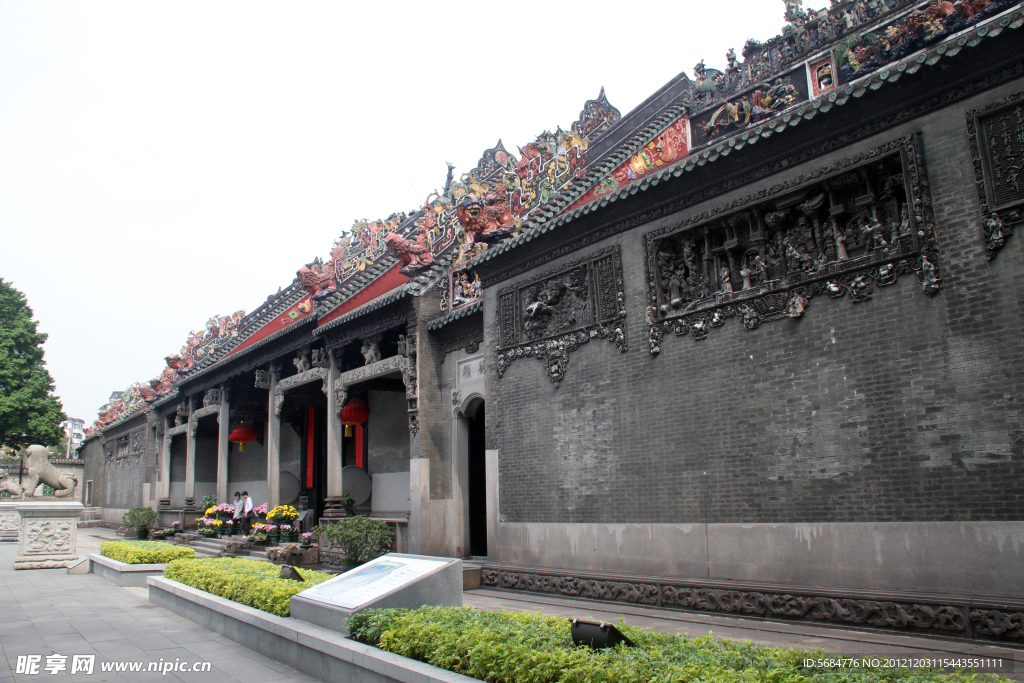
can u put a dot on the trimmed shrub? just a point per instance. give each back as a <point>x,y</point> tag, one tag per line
<point>513,647</point>
<point>249,582</point>
<point>139,518</point>
<point>361,538</point>
<point>144,552</point>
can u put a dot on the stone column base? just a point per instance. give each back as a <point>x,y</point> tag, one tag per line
<point>48,535</point>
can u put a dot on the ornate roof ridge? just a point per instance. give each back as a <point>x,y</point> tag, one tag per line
<point>781,121</point>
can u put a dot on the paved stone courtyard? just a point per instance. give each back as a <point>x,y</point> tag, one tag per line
<point>47,612</point>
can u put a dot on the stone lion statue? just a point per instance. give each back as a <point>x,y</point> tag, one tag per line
<point>41,471</point>
<point>9,486</point>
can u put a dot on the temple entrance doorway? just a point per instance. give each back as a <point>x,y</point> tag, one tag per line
<point>477,481</point>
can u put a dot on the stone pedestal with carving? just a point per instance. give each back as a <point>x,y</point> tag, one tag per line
<point>48,532</point>
<point>10,522</point>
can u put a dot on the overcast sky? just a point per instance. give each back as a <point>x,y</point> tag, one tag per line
<point>162,162</point>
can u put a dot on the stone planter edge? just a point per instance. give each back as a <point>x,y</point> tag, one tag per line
<point>318,652</point>
<point>122,573</point>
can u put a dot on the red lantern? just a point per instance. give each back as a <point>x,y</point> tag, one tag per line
<point>243,434</point>
<point>355,412</point>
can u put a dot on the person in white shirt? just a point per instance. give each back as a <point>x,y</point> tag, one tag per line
<point>247,514</point>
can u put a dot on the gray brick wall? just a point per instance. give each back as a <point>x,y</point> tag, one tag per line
<point>902,408</point>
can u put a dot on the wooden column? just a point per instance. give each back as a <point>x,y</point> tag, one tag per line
<point>223,445</point>
<point>190,459</point>
<point>273,442</point>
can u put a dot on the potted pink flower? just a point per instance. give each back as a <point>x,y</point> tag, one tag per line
<point>272,533</point>
<point>288,534</point>
<point>307,539</point>
<point>174,528</point>
<point>261,512</point>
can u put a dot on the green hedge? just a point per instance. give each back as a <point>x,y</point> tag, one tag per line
<point>144,552</point>
<point>512,647</point>
<point>249,582</point>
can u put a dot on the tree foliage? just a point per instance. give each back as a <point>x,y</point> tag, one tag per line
<point>29,412</point>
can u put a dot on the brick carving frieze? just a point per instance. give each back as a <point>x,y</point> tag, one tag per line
<point>957,620</point>
<point>550,315</point>
<point>950,619</point>
<point>469,340</point>
<point>591,589</point>
<point>128,448</point>
<point>997,147</point>
<point>840,230</point>
<point>998,624</point>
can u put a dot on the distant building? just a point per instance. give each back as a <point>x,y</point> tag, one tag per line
<point>74,428</point>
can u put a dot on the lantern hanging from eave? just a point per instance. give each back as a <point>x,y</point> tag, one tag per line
<point>355,412</point>
<point>243,434</point>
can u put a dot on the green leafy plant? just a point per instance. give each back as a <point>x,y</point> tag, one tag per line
<point>139,518</point>
<point>360,538</point>
<point>249,582</point>
<point>509,647</point>
<point>209,502</point>
<point>144,552</point>
<point>349,506</point>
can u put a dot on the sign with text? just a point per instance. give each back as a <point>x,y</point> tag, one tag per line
<point>373,580</point>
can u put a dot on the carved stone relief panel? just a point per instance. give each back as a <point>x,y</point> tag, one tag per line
<point>125,449</point>
<point>10,522</point>
<point>997,145</point>
<point>839,230</point>
<point>550,315</point>
<point>48,536</point>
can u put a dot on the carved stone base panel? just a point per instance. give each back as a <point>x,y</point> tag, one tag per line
<point>550,315</point>
<point>997,146</point>
<point>946,616</point>
<point>48,535</point>
<point>10,522</point>
<point>841,230</point>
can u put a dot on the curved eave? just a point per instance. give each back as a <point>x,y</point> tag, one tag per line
<point>381,301</point>
<point>464,312</point>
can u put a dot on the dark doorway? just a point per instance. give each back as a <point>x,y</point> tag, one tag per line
<point>314,460</point>
<point>477,485</point>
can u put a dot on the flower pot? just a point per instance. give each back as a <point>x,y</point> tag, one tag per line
<point>289,538</point>
<point>260,544</point>
<point>272,539</point>
<point>142,534</point>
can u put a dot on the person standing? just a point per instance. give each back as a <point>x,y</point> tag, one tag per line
<point>236,517</point>
<point>247,514</point>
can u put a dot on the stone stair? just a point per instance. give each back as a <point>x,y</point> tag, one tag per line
<point>217,547</point>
